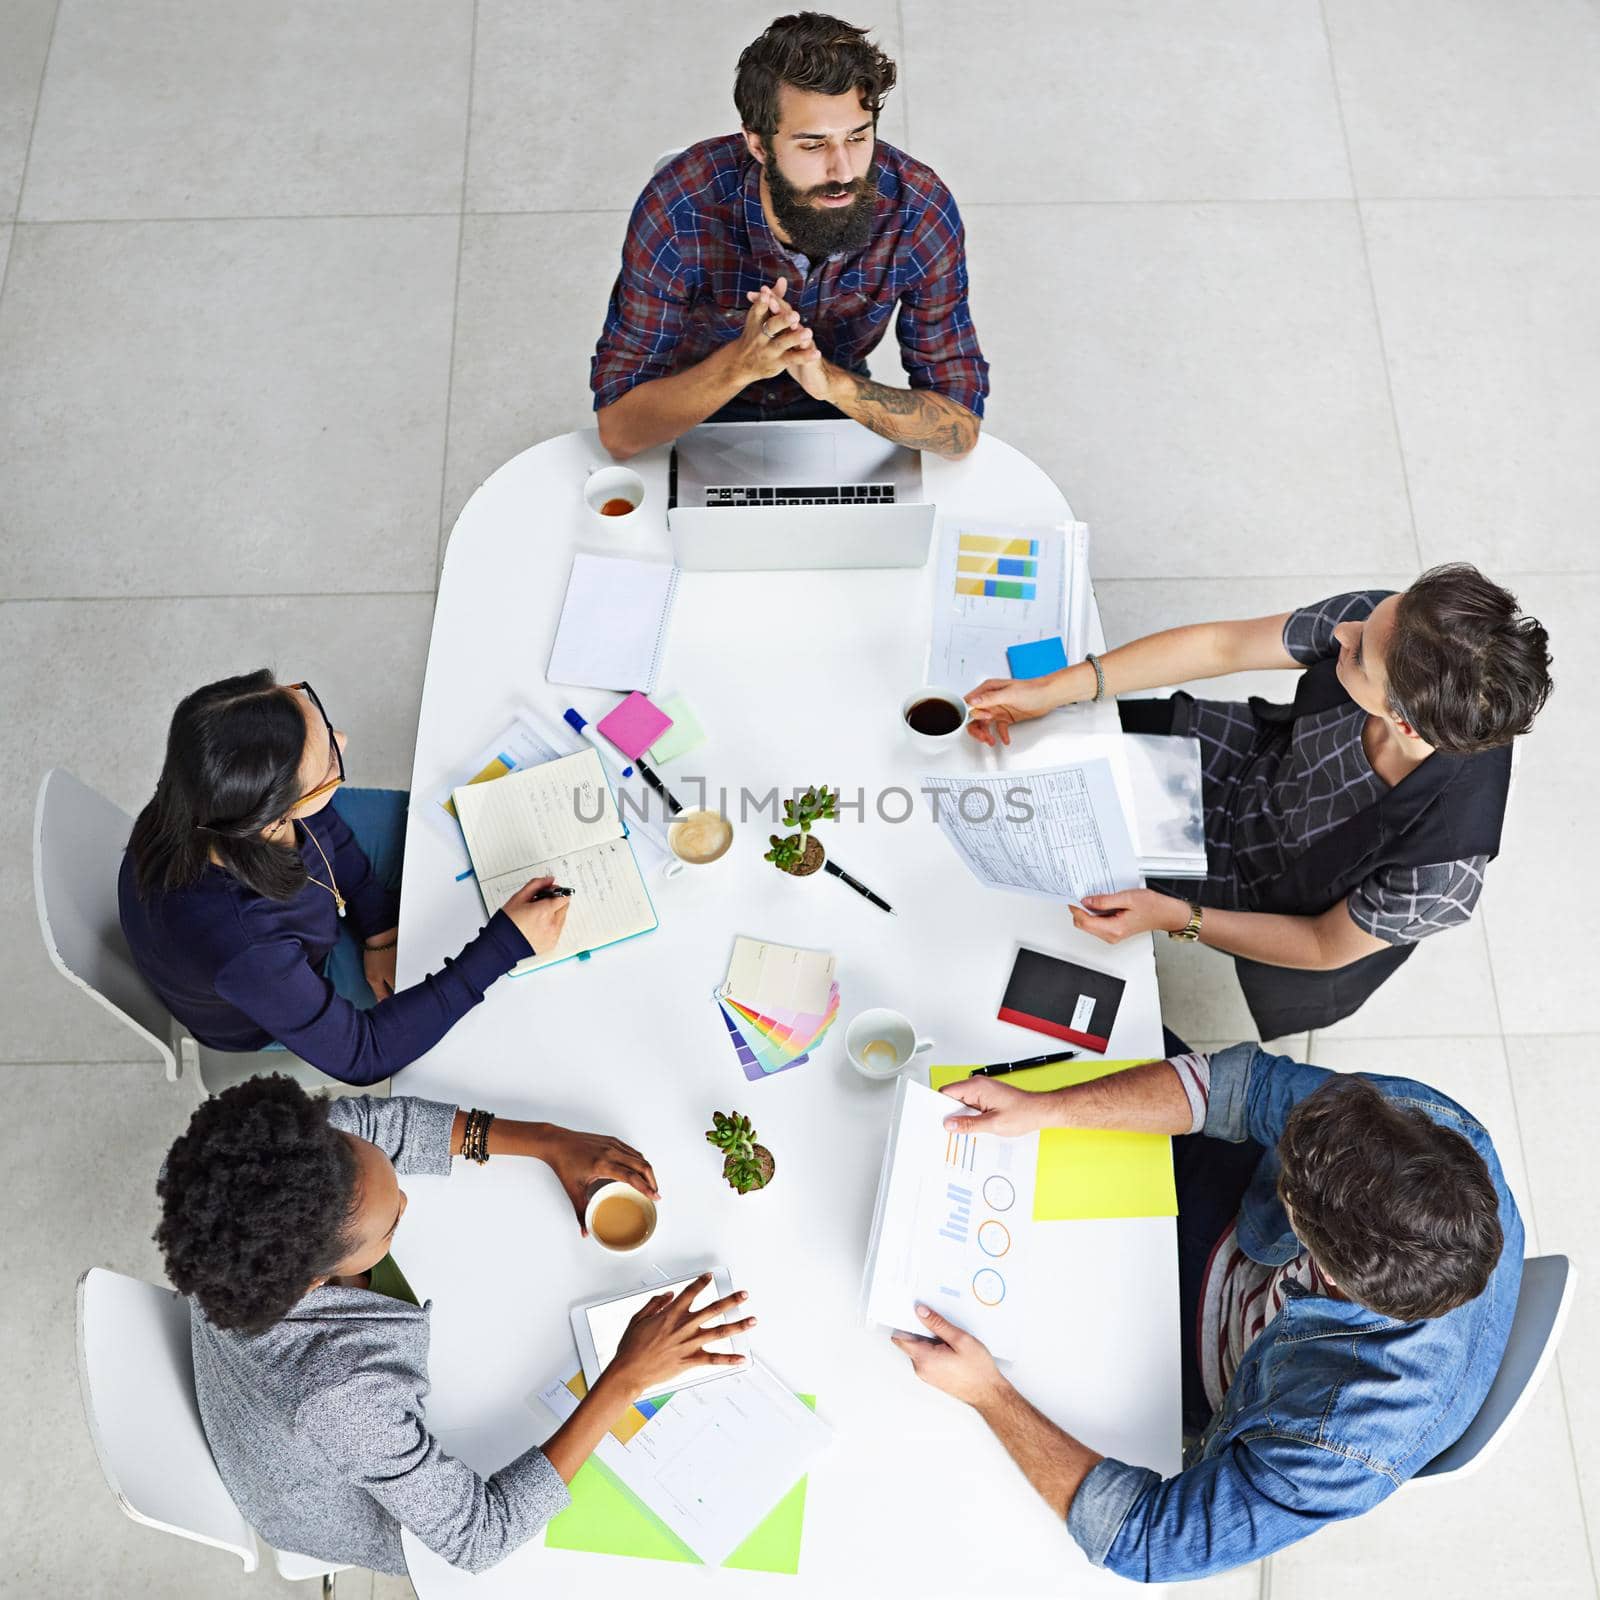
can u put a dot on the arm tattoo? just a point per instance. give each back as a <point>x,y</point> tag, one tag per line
<point>931,421</point>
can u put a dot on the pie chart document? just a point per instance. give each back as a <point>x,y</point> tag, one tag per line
<point>952,1224</point>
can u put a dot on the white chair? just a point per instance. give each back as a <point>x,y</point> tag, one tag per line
<point>78,838</point>
<point>666,156</point>
<point>1542,1305</point>
<point>136,1377</point>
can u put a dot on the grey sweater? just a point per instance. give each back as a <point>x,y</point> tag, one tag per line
<point>318,1425</point>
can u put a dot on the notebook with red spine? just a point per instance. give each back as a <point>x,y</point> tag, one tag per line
<point>1062,999</point>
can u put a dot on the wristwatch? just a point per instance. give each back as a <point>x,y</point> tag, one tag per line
<point>1190,931</point>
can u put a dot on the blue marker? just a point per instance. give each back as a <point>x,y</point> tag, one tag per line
<point>585,730</point>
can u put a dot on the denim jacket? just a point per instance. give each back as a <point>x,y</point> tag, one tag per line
<point>1333,1406</point>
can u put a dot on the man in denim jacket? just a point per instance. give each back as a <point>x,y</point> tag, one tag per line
<point>1349,1261</point>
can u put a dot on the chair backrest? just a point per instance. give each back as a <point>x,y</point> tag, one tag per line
<point>136,1375</point>
<point>666,156</point>
<point>1542,1304</point>
<point>78,838</point>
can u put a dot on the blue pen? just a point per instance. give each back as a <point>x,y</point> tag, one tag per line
<point>585,730</point>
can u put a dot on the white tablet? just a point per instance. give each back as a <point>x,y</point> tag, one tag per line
<point>598,1326</point>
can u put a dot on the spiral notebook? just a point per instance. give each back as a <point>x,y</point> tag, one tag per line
<point>614,622</point>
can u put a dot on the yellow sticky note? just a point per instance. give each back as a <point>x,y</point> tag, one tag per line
<point>496,769</point>
<point>1089,1172</point>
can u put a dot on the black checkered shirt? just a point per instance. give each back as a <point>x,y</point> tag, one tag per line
<point>1262,810</point>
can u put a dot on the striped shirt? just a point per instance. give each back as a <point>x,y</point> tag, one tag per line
<point>1238,1297</point>
<point>698,239</point>
<point>1264,808</point>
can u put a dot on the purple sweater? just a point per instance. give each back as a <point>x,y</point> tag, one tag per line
<point>240,970</point>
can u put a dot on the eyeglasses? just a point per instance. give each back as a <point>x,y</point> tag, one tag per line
<point>333,747</point>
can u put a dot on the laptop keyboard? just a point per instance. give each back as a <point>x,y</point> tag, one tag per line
<point>843,494</point>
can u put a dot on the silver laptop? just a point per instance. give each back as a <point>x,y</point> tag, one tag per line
<point>763,496</point>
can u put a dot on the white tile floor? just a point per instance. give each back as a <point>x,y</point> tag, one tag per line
<point>1288,296</point>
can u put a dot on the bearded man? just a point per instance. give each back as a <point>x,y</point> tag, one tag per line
<point>761,268</point>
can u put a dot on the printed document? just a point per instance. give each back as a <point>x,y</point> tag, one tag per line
<point>952,1225</point>
<point>1060,832</point>
<point>998,585</point>
<point>711,1462</point>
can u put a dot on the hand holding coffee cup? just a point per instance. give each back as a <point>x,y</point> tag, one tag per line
<point>880,1042</point>
<point>582,1162</point>
<point>620,1219</point>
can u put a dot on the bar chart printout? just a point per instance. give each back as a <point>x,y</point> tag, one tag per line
<point>952,1224</point>
<point>997,586</point>
<point>994,567</point>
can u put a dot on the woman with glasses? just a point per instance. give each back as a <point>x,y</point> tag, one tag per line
<point>259,898</point>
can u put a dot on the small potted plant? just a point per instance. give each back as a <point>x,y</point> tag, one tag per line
<point>745,1164</point>
<point>801,853</point>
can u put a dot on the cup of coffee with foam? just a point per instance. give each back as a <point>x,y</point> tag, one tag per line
<point>619,1218</point>
<point>614,495</point>
<point>934,719</point>
<point>697,838</point>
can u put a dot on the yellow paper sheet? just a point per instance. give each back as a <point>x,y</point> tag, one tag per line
<point>1087,1172</point>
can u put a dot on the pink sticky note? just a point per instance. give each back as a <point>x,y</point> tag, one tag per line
<point>635,725</point>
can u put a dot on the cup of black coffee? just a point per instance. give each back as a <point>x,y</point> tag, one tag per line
<point>934,718</point>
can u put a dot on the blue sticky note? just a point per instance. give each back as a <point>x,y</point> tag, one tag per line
<point>1036,659</point>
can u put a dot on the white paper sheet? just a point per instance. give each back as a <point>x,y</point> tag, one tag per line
<point>713,1461</point>
<point>971,633</point>
<point>1059,832</point>
<point>526,743</point>
<point>952,1226</point>
<point>614,623</point>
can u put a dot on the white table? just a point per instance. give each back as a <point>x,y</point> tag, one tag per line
<point>798,678</point>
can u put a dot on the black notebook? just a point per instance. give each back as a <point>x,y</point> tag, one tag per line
<point>1062,999</point>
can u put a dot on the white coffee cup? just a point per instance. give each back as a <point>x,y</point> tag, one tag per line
<point>880,1042</point>
<point>697,838</point>
<point>935,743</point>
<point>628,1194</point>
<point>606,485</point>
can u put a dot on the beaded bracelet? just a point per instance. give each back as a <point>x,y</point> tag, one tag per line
<point>1099,674</point>
<point>475,1136</point>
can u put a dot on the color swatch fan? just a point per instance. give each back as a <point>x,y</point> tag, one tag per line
<point>777,1004</point>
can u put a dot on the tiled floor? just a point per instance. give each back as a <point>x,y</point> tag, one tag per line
<point>1288,296</point>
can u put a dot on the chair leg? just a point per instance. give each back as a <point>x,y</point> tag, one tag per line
<point>327,1585</point>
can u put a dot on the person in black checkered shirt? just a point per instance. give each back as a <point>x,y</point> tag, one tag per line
<point>1343,829</point>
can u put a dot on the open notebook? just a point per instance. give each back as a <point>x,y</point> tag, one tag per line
<point>557,819</point>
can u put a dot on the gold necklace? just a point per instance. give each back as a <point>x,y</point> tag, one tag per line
<point>332,885</point>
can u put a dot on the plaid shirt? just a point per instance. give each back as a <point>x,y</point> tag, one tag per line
<point>698,239</point>
<point>1262,810</point>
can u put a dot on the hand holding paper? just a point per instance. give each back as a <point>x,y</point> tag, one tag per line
<point>951,1359</point>
<point>1087,1172</point>
<point>997,1108</point>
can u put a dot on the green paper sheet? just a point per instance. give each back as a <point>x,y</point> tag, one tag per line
<point>682,737</point>
<point>1089,1172</point>
<point>605,1519</point>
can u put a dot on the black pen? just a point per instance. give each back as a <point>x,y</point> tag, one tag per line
<point>554,891</point>
<point>830,865</point>
<point>1001,1067</point>
<point>660,788</point>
